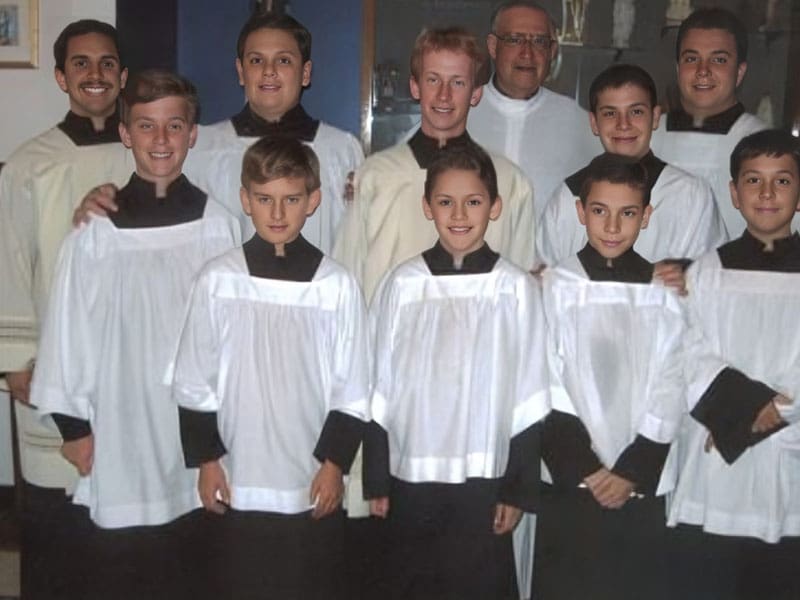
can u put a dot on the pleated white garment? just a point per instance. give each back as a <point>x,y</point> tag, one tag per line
<point>615,352</point>
<point>112,329</point>
<point>459,369</point>
<point>746,320</point>
<point>685,222</point>
<point>273,358</point>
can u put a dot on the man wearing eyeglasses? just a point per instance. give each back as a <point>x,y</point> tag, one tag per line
<point>545,133</point>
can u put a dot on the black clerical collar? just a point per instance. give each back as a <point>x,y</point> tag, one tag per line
<point>440,261</point>
<point>300,261</point>
<point>680,120</point>
<point>81,131</point>
<point>750,254</point>
<point>425,148</point>
<point>139,206</point>
<point>295,124</point>
<point>649,161</point>
<point>628,268</point>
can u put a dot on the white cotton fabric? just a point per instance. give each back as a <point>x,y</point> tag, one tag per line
<point>215,165</point>
<point>459,369</point>
<point>685,222</point>
<point>746,320</point>
<point>386,226</point>
<point>40,186</point>
<point>708,155</point>
<point>273,358</point>
<point>119,297</point>
<point>615,355</point>
<point>548,136</point>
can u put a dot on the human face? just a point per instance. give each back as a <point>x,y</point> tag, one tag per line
<point>521,69</point>
<point>767,193</point>
<point>160,134</point>
<point>624,120</point>
<point>707,72</point>
<point>460,208</point>
<point>92,76</point>
<point>279,208</point>
<point>613,217</point>
<point>272,72</point>
<point>446,89</point>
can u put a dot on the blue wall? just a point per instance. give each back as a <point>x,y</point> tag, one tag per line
<point>206,49</point>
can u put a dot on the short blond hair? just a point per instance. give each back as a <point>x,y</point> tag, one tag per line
<point>270,159</point>
<point>454,39</point>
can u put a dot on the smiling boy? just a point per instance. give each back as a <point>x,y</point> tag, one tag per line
<point>272,383</point>
<point>120,291</point>
<point>40,185</point>
<point>614,341</point>
<point>737,505</point>
<point>699,135</point>
<point>451,458</point>
<point>624,114</point>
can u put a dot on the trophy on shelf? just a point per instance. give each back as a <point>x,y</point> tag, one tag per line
<point>574,18</point>
<point>624,19</point>
<point>677,11</point>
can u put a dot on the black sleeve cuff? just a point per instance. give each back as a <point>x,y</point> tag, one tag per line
<point>341,435</point>
<point>641,463</point>
<point>376,479</point>
<point>71,428</point>
<point>567,450</point>
<point>200,437</point>
<point>520,483</point>
<point>728,408</point>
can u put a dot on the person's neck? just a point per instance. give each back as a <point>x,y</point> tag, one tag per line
<point>442,136</point>
<point>269,117</point>
<point>98,121</point>
<point>699,115</point>
<point>769,239</point>
<point>504,92</point>
<point>161,183</point>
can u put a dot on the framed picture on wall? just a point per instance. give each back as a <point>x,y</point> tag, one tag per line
<point>19,34</point>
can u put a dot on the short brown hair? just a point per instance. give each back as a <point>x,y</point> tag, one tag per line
<point>281,22</point>
<point>467,157</point>
<point>270,159</point>
<point>454,39</point>
<point>154,84</point>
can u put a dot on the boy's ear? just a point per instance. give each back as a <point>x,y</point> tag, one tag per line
<point>124,135</point>
<point>656,116</point>
<point>307,73</point>
<point>123,78</point>
<point>239,71</point>
<point>244,197</point>
<point>581,211</point>
<point>412,85</point>
<point>193,136</point>
<point>61,79</point>
<point>426,208</point>
<point>593,124</point>
<point>740,71</point>
<point>648,210</point>
<point>314,198</point>
<point>476,96</point>
<point>497,208</point>
<point>734,194</point>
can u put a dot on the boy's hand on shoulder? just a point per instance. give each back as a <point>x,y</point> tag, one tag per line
<point>99,201</point>
<point>768,417</point>
<point>506,518</point>
<point>327,490</point>
<point>379,507</point>
<point>671,274</point>
<point>212,486</point>
<point>80,453</point>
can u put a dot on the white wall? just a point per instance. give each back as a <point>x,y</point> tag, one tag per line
<point>31,102</point>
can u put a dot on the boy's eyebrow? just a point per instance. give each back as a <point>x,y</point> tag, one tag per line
<point>617,106</point>
<point>86,57</point>
<point>693,51</point>
<point>779,171</point>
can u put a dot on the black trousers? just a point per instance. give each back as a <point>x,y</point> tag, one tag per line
<point>440,543</point>
<point>584,551</point>
<point>715,567</point>
<point>260,555</point>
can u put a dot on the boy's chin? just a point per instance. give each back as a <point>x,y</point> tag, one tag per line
<point>611,252</point>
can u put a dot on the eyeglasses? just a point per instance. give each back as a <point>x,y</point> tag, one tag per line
<point>516,40</point>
